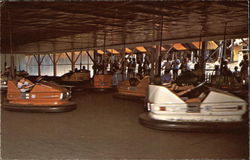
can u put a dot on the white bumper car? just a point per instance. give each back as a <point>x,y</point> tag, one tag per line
<point>196,109</point>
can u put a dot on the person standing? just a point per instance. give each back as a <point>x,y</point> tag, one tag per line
<point>140,68</point>
<point>244,69</point>
<point>139,58</point>
<point>236,74</point>
<point>111,61</point>
<point>167,65</point>
<point>216,70</point>
<point>133,67</point>
<point>184,66</point>
<point>124,67</point>
<point>175,65</point>
<point>146,68</point>
<point>130,68</point>
<point>166,77</point>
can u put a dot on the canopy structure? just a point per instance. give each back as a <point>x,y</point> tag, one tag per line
<point>50,27</point>
<point>179,46</point>
<point>211,45</point>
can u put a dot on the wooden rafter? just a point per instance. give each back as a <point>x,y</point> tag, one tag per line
<point>77,56</point>
<point>69,57</point>
<point>90,56</point>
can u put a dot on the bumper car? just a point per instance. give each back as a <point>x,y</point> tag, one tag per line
<point>76,77</point>
<point>230,84</point>
<point>198,108</point>
<point>189,77</point>
<point>22,73</point>
<point>102,82</point>
<point>80,79</point>
<point>133,89</point>
<point>43,97</point>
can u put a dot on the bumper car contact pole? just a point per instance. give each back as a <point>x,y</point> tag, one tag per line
<point>160,54</point>
<point>224,47</point>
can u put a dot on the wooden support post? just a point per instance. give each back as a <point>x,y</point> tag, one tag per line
<point>12,62</point>
<point>232,51</point>
<point>12,67</point>
<point>202,58</point>
<point>104,53</point>
<point>5,61</point>
<point>54,65</point>
<point>54,60</point>
<point>152,71</point>
<point>39,65</point>
<point>81,62</point>
<point>158,61</point>
<point>72,61</point>
<point>159,49</point>
<point>123,71</point>
<point>152,59</point>
<point>95,61</point>
<point>224,48</point>
<point>39,61</point>
<point>88,63</point>
<point>95,54</point>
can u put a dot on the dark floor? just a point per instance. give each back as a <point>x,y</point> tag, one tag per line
<point>103,127</point>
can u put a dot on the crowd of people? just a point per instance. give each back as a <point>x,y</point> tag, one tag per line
<point>130,66</point>
<point>241,76</point>
<point>140,66</point>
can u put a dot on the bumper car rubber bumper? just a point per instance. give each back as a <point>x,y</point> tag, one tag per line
<point>77,86</point>
<point>44,109</point>
<point>129,97</point>
<point>147,121</point>
<point>3,88</point>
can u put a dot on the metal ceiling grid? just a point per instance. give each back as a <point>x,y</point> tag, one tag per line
<point>43,27</point>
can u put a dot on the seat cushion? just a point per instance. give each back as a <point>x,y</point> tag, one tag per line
<point>194,100</point>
